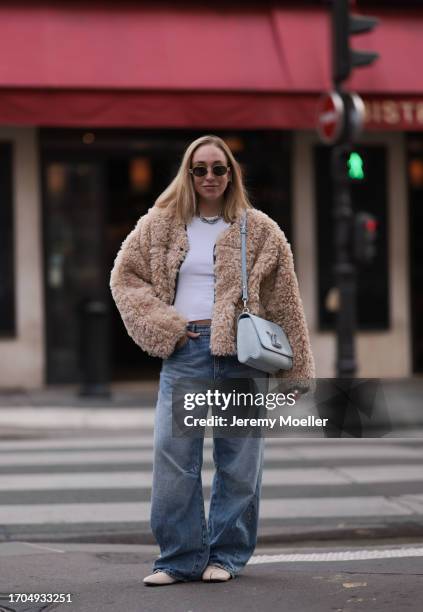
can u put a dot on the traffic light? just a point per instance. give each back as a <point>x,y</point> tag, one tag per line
<point>344,25</point>
<point>355,166</point>
<point>365,234</point>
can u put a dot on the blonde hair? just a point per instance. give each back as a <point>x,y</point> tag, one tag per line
<point>180,197</point>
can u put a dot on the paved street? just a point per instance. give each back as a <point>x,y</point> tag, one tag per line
<point>340,578</point>
<point>341,519</point>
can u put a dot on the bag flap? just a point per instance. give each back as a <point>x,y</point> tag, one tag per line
<point>271,336</point>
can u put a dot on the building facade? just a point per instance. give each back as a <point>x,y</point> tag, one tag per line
<point>91,132</point>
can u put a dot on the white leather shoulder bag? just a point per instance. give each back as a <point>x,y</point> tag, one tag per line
<point>261,344</point>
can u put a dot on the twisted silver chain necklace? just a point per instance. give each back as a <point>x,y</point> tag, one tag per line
<point>210,220</point>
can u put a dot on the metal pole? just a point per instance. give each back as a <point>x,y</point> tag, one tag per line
<point>344,269</point>
<point>94,348</point>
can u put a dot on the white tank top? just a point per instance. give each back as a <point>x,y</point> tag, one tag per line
<point>195,287</point>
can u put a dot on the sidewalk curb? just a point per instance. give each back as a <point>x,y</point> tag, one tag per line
<point>277,536</point>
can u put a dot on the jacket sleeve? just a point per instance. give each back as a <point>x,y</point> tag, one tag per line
<point>284,307</point>
<point>154,325</point>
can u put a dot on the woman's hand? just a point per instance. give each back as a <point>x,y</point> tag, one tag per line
<point>296,393</point>
<point>184,339</point>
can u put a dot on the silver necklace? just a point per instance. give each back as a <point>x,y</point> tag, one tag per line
<point>210,220</point>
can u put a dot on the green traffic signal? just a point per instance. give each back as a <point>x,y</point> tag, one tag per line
<point>355,166</point>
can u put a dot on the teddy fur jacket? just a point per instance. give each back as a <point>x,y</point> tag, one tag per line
<point>143,285</point>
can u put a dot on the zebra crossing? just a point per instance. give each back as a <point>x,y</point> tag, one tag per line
<point>85,482</point>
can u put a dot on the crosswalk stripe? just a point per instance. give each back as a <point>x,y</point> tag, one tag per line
<point>143,479</point>
<point>356,452</point>
<point>134,456</point>
<point>77,443</point>
<point>124,418</point>
<point>76,457</point>
<point>68,416</point>
<point>146,441</point>
<point>134,512</point>
<point>382,473</point>
<point>271,477</point>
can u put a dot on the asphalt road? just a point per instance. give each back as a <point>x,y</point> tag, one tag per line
<point>65,482</point>
<point>360,576</point>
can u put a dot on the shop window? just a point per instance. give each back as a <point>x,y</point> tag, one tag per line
<point>368,178</point>
<point>7,273</point>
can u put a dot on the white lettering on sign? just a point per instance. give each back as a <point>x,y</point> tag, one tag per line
<point>394,112</point>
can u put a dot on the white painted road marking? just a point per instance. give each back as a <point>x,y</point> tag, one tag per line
<point>344,555</point>
<point>146,440</point>
<point>50,481</point>
<point>134,512</point>
<point>143,479</point>
<point>43,547</point>
<point>281,453</point>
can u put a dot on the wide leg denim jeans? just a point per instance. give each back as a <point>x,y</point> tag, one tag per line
<point>188,543</point>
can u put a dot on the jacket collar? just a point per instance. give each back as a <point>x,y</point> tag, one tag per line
<point>231,235</point>
<point>177,233</point>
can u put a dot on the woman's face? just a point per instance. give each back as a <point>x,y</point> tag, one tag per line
<point>210,187</point>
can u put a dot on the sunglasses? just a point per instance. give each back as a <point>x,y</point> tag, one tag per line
<point>218,170</point>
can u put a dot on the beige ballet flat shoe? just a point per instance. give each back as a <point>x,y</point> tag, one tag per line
<point>159,579</point>
<point>213,573</point>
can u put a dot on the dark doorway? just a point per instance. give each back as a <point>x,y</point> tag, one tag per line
<point>96,185</point>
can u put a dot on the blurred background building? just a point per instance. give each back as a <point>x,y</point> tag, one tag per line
<point>99,100</point>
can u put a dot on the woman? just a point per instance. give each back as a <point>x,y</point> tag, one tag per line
<point>176,282</point>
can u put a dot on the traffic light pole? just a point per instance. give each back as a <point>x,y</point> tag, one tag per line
<point>340,120</point>
<point>344,268</point>
<point>344,60</point>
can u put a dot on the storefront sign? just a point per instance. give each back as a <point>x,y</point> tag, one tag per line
<point>394,114</point>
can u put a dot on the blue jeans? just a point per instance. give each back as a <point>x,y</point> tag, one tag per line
<point>187,542</point>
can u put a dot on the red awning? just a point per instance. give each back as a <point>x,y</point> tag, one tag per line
<point>127,65</point>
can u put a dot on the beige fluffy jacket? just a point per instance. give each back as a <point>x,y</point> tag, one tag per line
<point>144,276</point>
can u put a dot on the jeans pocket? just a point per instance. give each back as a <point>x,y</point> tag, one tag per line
<point>182,349</point>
